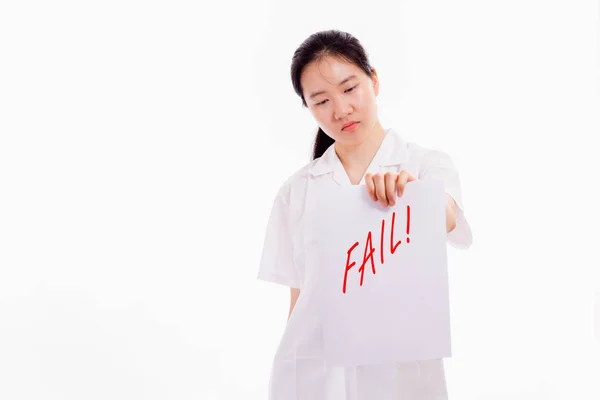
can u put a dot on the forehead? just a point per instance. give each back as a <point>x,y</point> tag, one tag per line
<point>327,71</point>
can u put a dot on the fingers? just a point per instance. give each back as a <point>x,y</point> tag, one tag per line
<point>383,187</point>
<point>379,181</point>
<point>370,186</point>
<point>401,182</point>
<point>390,187</point>
<point>403,178</point>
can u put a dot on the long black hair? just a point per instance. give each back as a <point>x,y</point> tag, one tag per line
<point>318,45</point>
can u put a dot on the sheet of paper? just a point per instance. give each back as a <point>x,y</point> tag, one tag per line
<point>384,281</point>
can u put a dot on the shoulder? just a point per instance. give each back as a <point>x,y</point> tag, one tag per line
<point>424,153</point>
<point>428,156</point>
<point>293,187</point>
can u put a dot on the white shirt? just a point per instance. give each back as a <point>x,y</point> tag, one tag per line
<point>299,371</point>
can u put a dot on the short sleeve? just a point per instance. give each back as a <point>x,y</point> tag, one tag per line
<point>277,261</point>
<point>438,165</point>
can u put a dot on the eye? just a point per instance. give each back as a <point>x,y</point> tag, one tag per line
<point>349,90</point>
<point>323,102</point>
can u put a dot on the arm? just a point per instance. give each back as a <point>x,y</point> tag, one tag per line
<point>294,293</point>
<point>450,213</point>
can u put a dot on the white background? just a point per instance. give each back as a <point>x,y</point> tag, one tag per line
<point>142,143</point>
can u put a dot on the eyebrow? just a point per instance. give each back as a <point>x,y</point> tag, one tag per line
<point>315,94</point>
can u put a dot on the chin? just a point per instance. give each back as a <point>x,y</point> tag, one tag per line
<point>351,138</point>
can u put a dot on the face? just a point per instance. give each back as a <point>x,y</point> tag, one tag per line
<point>334,100</point>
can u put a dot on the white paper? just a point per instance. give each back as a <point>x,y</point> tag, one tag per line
<point>401,311</point>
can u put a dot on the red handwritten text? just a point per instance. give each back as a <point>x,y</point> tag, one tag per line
<point>369,249</point>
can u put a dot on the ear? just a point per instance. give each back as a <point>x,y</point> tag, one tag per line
<point>375,80</point>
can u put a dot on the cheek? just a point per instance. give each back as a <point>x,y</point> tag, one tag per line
<point>366,104</point>
<point>320,114</point>
<point>365,99</point>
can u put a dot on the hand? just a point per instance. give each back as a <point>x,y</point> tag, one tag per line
<point>384,186</point>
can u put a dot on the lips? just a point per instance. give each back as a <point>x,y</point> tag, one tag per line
<point>349,125</point>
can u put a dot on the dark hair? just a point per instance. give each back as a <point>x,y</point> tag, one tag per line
<point>318,45</point>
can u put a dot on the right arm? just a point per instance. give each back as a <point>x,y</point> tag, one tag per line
<point>294,293</point>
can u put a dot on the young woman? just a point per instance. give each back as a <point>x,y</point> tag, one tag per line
<point>332,75</point>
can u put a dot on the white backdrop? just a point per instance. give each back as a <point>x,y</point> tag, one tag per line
<point>141,145</point>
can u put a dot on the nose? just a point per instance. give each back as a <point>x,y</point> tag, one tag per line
<point>341,109</point>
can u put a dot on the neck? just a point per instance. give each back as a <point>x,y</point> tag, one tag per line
<point>359,156</point>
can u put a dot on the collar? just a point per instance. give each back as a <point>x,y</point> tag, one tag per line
<point>392,151</point>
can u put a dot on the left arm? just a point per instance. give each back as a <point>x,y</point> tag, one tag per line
<point>450,213</point>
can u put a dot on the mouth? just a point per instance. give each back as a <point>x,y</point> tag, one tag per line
<point>350,126</point>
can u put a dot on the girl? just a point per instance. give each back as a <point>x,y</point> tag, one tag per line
<point>332,76</point>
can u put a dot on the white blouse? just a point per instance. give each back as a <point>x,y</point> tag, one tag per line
<point>299,371</point>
